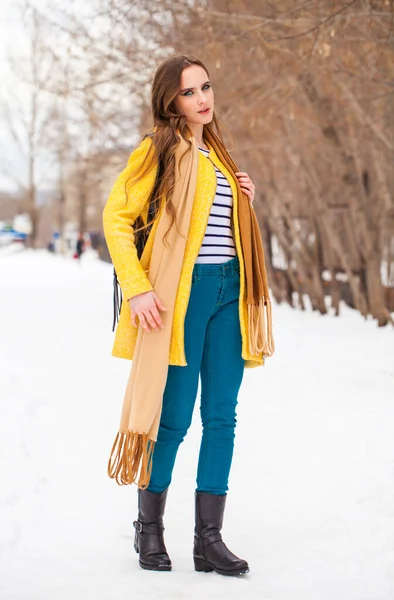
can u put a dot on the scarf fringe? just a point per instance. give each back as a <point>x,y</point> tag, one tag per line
<point>260,328</point>
<point>131,454</point>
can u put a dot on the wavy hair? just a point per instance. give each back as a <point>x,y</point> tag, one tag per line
<point>167,122</point>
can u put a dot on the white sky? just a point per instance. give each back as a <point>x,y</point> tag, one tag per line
<point>12,43</point>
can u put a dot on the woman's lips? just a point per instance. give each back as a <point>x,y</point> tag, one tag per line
<point>204,112</point>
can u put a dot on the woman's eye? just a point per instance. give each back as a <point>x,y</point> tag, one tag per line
<point>207,85</point>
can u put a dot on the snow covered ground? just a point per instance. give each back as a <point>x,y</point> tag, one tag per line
<point>311,499</point>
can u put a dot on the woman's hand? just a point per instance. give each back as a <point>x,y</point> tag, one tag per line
<point>246,184</point>
<point>145,306</point>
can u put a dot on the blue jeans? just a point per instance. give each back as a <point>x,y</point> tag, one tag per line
<point>213,346</point>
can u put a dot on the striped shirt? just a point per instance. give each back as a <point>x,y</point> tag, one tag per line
<point>218,244</point>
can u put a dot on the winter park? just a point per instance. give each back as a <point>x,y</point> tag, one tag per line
<point>211,418</point>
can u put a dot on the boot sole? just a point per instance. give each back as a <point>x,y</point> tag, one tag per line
<point>152,568</point>
<point>202,565</point>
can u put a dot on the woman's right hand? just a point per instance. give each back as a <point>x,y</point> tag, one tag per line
<point>146,307</point>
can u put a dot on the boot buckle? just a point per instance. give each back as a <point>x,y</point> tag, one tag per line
<point>138,526</point>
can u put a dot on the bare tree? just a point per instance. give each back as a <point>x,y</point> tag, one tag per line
<point>26,112</point>
<point>306,91</point>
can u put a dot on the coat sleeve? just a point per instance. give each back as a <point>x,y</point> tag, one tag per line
<point>119,214</point>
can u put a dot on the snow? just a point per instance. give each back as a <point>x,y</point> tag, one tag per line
<point>311,498</point>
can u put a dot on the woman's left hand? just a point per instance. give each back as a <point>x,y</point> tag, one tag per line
<point>246,184</point>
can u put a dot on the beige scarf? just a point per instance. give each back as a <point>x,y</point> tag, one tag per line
<point>131,455</point>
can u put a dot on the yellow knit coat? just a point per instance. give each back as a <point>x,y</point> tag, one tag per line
<point>119,214</point>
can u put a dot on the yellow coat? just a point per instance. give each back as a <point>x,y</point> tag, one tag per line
<point>119,215</point>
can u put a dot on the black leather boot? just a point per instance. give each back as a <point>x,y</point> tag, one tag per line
<point>210,553</point>
<point>149,528</point>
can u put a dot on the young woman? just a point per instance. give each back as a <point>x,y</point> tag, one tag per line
<point>196,304</point>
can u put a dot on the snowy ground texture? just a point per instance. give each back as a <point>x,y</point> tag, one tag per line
<point>311,499</point>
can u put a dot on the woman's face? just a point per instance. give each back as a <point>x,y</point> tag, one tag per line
<point>195,95</point>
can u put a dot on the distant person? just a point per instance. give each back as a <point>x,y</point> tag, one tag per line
<point>80,247</point>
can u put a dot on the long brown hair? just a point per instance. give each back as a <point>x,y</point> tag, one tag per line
<point>167,121</point>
